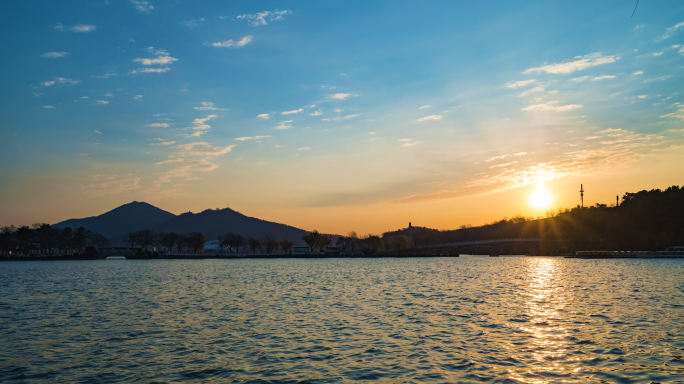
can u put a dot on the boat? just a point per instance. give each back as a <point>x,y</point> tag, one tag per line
<point>116,257</point>
<point>669,253</point>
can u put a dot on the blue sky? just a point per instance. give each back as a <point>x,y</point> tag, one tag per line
<point>335,114</point>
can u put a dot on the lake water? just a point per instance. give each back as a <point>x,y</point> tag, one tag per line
<point>443,320</point>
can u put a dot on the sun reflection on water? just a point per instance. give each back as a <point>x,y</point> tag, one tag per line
<point>545,302</point>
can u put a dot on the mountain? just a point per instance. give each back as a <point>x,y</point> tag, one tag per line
<point>134,216</point>
<point>119,221</point>
<point>213,223</point>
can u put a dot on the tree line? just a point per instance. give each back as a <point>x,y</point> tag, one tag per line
<point>42,239</point>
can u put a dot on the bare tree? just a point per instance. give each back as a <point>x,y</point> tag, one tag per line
<point>286,245</point>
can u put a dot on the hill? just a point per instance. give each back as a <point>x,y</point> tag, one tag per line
<point>213,223</point>
<point>119,221</point>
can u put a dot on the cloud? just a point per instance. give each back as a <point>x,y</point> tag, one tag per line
<point>304,149</point>
<point>264,116</point>
<point>206,106</point>
<point>200,125</point>
<point>520,83</point>
<point>431,117</point>
<point>638,73</point>
<point>657,53</point>
<point>138,97</point>
<point>340,96</point>
<point>551,106</point>
<point>151,70</point>
<point>160,125</point>
<point>108,185</point>
<point>233,44</point>
<point>66,80</point>
<point>259,19</point>
<point>201,148</point>
<point>162,58</point>
<point>593,159</point>
<point>48,107</point>
<point>411,144</point>
<point>661,78</point>
<point>55,55</point>
<point>251,138</point>
<point>679,114</point>
<point>163,142</point>
<point>317,113</point>
<point>425,106</point>
<point>581,79</point>
<point>192,23</point>
<point>292,112</point>
<point>349,116</point>
<point>603,77</point>
<point>183,168</point>
<point>642,96</point>
<point>533,90</point>
<point>142,6</point>
<point>100,102</point>
<point>372,133</point>
<point>47,83</point>
<point>82,28</point>
<point>582,62</point>
<point>670,31</point>
<point>284,125</point>
<point>106,75</point>
<point>405,139</point>
<point>98,132</point>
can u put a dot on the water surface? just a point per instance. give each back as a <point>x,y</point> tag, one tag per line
<point>442,320</point>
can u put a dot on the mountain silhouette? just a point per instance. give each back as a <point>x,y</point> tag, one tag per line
<point>215,222</point>
<point>119,221</point>
<point>134,216</point>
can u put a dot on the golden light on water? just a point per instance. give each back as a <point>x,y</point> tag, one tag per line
<point>541,198</point>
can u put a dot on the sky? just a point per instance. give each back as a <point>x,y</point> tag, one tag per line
<point>337,115</point>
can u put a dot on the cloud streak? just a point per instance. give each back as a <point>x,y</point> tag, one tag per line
<point>581,63</point>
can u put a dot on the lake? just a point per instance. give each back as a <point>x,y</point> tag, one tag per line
<point>443,320</point>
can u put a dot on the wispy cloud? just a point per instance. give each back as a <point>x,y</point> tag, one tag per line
<point>142,6</point>
<point>200,125</point>
<point>552,106</point>
<point>532,90</point>
<point>411,144</point>
<point>340,96</point>
<point>182,168</point>
<point>521,83</point>
<point>603,77</point>
<point>55,55</point>
<point>284,125</point>
<point>317,113</point>
<point>48,107</point>
<point>105,76</point>
<point>425,106</point>
<point>581,62</point>
<point>679,114</point>
<point>60,80</point>
<point>431,117</point>
<point>670,31</point>
<point>138,97</point>
<point>251,138</point>
<point>233,44</point>
<point>304,149</point>
<point>206,106</point>
<point>158,125</point>
<point>100,102</point>
<point>98,132</point>
<point>80,28</point>
<point>349,116</point>
<point>292,112</point>
<point>163,142</point>
<point>259,19</point>
<point>192,23</point>
<point>162,58</point>
<point>102,185</point>
<point>264,116</point>
<point>638,73</point>
<point>203,149</point>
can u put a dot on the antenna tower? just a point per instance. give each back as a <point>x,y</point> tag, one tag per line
<point>582,194</point>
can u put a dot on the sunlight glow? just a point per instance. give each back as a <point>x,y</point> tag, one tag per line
<point>541,198</point>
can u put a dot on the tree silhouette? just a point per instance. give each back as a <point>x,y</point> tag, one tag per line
<point>286,245</point>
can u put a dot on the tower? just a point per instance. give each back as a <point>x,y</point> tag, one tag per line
<point>617,201</point>
<point>582,194</point>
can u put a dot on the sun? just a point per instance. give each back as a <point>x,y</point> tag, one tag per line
<point>541,198</point>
